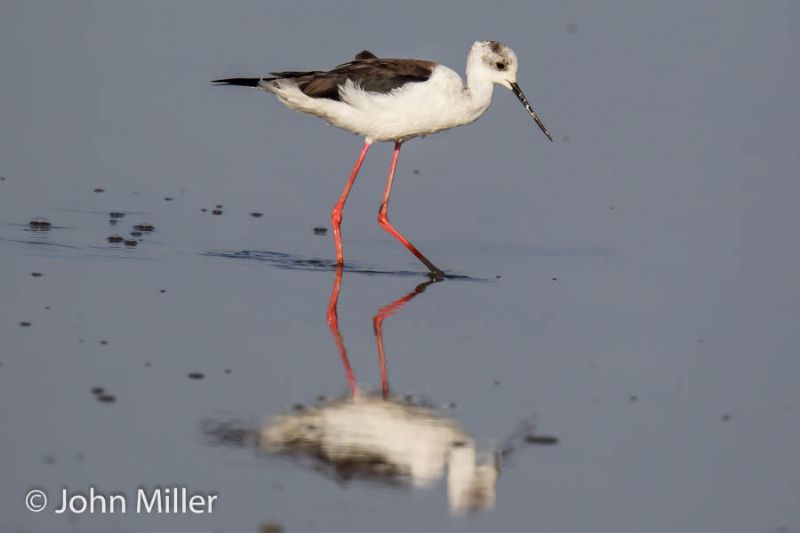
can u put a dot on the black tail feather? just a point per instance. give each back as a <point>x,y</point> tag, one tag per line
<point>244,82</point>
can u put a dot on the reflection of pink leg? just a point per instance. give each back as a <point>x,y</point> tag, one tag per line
<point>377,326</point>
<point>336,214</point>
<point>333,324</point>
<point>383,217</point>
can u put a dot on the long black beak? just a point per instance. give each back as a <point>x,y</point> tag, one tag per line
<point>518,92</point>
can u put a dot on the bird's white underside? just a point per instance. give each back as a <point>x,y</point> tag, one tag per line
<point>413,110</point>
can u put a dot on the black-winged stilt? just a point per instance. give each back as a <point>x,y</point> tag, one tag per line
<point>395,100</point>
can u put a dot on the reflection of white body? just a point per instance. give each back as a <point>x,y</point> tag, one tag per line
<point>388,439</point>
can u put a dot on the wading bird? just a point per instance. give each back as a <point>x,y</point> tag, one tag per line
<point>395,100</point>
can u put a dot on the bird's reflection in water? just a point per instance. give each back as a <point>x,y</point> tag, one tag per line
<point>385,438</point>
<point>382,437</point>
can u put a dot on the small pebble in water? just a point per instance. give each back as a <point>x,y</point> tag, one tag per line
<point>204,210</point>
<point>115,238</point>
<point>216,212</point>
<point>219,206</point>
<point>228,370</point>
<point>98,390</point>
<point>196,375</point>
<point>104,342</point>
<point>256,214</point>
<point>416,171</point>
<point>136,234</point>
<point>99,190</point>
<point>116,214</point>
<point>25,324</point>
<point>37,274</point>
<point>168,198</point>
<point>144,227</point>
<point>106,398</point>
<point>112,221</point>
<point>40,224</point>
<point>162,291</point>
<point>320,230</point>
<point>131,243</point>
<point>554,279</point>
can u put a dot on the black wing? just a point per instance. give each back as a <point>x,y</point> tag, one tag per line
<point>368,71</point>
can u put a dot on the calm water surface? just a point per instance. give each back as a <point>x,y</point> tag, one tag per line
<point>618,354</point>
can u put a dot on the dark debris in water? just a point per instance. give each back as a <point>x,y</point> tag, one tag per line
<point>116,214</point>
<point>216,212</point>
<point>99,190</point>
<point>40,224</point>
<point>320,230</point>
<point>25,324</point>
<point>115,238</point>
<point>545,440</point>
<point>168,198</point>
<point>37,274</point>
<point>144,227</point>
<point>102,396</point>
<point>196,375</point>
<point>131,243</point>
<point>136,234</point>
<point>256,214</point>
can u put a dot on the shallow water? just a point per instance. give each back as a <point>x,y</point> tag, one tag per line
<point>619,330</point>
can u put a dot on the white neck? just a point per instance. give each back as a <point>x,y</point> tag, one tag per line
<point>479,87</point>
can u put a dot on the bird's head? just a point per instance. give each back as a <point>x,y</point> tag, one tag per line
<point>498,63</point>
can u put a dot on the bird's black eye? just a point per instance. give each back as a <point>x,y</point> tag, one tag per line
<point>500,66</point>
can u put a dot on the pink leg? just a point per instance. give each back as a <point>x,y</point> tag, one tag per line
<point>333,324</point>
<point>383,218</point>
<point>377,326</point>
<point>336,214</point>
